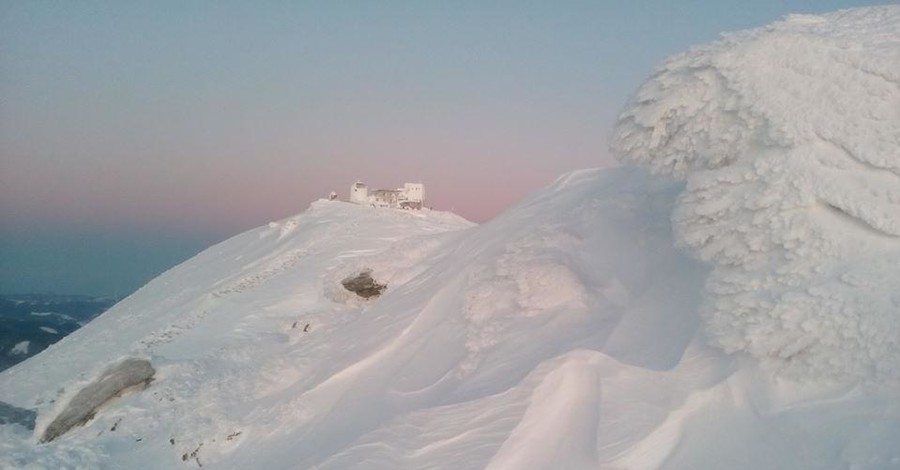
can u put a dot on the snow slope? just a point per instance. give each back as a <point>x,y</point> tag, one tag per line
<point>480,330</point>
<point>563,334</point>
<point>572,331</point>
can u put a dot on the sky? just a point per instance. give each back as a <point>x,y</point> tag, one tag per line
<point>133,134</point>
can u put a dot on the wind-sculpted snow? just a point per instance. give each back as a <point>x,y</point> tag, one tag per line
<point>481,332</point>
<point>565,333</point>
<point>562,334</point>
<point>788,138</point>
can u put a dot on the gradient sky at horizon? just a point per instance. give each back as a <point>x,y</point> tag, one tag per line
<point>134,134</point>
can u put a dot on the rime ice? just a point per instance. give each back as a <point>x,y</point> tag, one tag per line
<point>569,332</point>
<point>788,137</point>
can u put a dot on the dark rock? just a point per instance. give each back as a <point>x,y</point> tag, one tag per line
<point>363,285</point>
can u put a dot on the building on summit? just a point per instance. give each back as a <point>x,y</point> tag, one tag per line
<point>410,196</point>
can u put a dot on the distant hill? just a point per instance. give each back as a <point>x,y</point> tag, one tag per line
<point>29,323</point>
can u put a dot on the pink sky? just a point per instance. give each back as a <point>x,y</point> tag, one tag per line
<point>194,121</point>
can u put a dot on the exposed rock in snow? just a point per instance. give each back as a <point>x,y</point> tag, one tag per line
<point>565,333</point>
<point>363,285</point>
<point>788,137</point>
<point>113,382</point>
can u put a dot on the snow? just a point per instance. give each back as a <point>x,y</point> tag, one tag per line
<point>20,348</point>
<point>572,331</point>
<point>60,315</point>
<point>788,138</point>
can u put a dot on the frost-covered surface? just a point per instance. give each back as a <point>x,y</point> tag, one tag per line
<point>788,138</point>
<point>563,334</point>
<point>566,333</point>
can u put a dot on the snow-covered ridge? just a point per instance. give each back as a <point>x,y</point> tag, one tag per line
<point>185,305</point>
<point>263,359</point>
<point>565,333</point>
<point>789,139</point>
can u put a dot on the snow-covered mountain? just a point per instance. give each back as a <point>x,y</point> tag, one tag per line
<point>614,319</point>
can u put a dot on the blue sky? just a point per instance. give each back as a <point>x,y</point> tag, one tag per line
<point>135,133</point>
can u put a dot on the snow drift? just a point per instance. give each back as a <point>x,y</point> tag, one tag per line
<point>565,333</point>
<point>788,137</point>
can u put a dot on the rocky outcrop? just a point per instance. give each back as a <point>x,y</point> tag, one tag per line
<point>364,285</point>
<point>113,382</point>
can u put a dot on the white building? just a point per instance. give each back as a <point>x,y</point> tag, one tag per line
<point>410,196</point>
